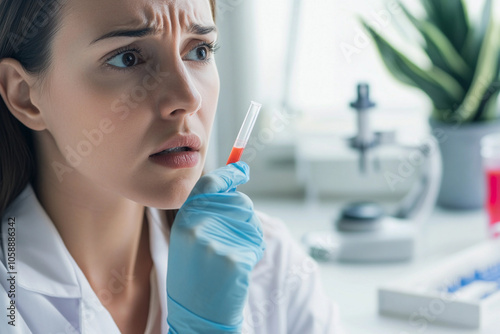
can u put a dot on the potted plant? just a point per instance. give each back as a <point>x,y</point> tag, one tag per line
<point>463,83</point>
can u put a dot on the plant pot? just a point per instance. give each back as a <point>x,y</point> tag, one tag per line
<point>463,182</point>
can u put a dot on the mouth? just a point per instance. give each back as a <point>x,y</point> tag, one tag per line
<point>179,144</point>
<point>174,150</point>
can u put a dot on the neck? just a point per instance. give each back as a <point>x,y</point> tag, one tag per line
<point>107,235</point>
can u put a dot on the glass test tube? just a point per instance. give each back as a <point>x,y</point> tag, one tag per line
<point>245,131</point>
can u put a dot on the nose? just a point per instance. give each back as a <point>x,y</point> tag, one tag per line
<point>180,96</point>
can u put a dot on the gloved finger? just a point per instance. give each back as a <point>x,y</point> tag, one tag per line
<point>227,201</point>
<point>222,179</point>
<point>231,206</point>
<point>231,233</point>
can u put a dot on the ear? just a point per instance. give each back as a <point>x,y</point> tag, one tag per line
<point>16,89</point>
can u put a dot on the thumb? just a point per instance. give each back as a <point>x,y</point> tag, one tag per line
<point>223,179</point>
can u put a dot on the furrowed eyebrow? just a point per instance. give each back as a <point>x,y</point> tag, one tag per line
<point>125,33</point>
<point>194,29</point>
<point>202,30</point>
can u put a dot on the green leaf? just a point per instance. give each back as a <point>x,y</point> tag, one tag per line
<point>451,17</point>
<point>488,109</point>
<point>487,69</point>
<point>444,91</point>
<point>440,50</point>
<point>470,51</point>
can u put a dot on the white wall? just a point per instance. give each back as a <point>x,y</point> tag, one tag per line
<point>334,53</point>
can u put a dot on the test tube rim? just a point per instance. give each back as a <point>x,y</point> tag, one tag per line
<point>241,142</point>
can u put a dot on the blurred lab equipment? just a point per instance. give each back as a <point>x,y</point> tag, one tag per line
<point>364,231</point>
<point>490,152</point>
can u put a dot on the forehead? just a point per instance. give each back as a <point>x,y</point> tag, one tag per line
<point>98,16</point>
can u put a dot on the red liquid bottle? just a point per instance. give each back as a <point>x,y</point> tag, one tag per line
<point>493,200</point>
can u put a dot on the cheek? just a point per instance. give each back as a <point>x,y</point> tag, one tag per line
<point>209,84</point>
<point>87,119</point>
<point>74,110</point>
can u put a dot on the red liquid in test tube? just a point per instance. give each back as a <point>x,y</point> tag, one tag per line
<point>235,155</point>
<point>493,200</point>
<point>490,153</point>
<point>245,130</point>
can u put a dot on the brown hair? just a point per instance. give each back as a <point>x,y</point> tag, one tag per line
<point>27,28</point>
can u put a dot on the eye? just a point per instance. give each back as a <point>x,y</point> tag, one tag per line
<point>202,52</point>
<point>123,59</point>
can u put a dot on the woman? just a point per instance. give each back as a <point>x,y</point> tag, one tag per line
<point>107,108</point>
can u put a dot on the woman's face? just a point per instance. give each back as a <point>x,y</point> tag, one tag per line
<point>112,100</point>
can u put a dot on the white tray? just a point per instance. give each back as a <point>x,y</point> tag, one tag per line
<point>429,296</point>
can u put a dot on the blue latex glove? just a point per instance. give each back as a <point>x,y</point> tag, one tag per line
<point>215,242</point>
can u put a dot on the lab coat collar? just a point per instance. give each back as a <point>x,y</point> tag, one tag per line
<point>43,263</point>
<point>41,259</point>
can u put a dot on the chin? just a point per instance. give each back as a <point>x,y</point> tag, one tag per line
<point>168,203</point>
<point>171,196</point>
<point>166,194</point>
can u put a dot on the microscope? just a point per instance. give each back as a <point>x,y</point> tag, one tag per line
<point>363,231</point>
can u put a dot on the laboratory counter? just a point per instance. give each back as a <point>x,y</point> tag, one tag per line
<point>354,286</point>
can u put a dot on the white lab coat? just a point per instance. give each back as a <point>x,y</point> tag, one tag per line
<point>52,296</point>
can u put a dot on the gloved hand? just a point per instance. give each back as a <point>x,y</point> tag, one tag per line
<point>215,242</point>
